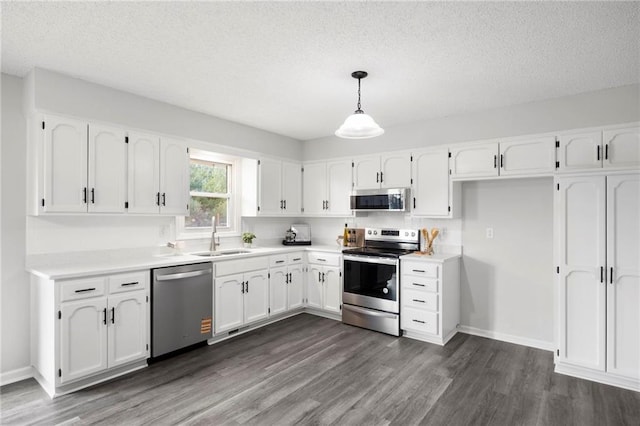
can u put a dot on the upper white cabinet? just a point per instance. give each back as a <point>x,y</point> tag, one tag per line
<point>522,157</point>
<point>432,192</point>
<point>80,167</point>
<point>84,167</point>
<point>158,175</point>
<point>326,188</point>
<point>279,188</point>
<point>390,170</point>
<point>598,248</point>
<point>594,150</point>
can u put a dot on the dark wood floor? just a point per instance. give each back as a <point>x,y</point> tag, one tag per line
<point>311,370</point>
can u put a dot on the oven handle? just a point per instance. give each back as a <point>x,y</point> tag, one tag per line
<point>368,311</point>
<point>371,259</point>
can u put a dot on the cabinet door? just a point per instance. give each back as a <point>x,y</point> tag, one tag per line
<point>474,161</point>
<point>107,186</point>
<point>339,187</point>
<point>174,177</point>
<point>256,296</point>
<point>295,287</point>
<point>83,338</point>
<point>269,187</point>
<point>127,317</point>
<point>580,151</point>
<point>395,170</point>
<point>623,288</point>
<point>292,188</point>
<point>229,299</point>
<point>366,172</point>
<point>582,315</point>
<point>278,290</point>
<point>65,165</point>
<point>529,157</point>
<point>431,183</point>
<point>143,187</point>
<point>622,148</point>
<point>315,188</point>
<point>332,289</point>
<point>314,287</point>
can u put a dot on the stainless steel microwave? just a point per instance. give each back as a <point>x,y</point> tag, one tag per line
<point>380,200</point>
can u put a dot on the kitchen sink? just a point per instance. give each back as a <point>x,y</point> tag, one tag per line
<point>220,253</point>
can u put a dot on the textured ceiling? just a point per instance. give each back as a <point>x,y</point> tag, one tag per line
<point>285,66</point>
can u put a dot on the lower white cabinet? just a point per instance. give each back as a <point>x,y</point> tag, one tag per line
<point>324,282</point>
<point>241,292</point>
<point>102,323</point>
<point>597,251</point>
<point>286,279</point>
<point>430,297</point>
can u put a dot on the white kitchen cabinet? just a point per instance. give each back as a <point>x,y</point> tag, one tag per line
<point>279,188</point>
<point>241,292</point>
<point>324,282</point>
<point>431,189</point>
<point>622,148</point>
<point>101,328</point>
<point>107,170</point>
<point>580,151</point>
<point>389,170</point>
<point>83,338</point>
<point>598,238</point>
<point>83,167</point>
<point>158,172</point>
<point>623,288</point>
<point>534,156</point>
<point>430,297</point>
<point>285,282</point>
<point>326,188</point>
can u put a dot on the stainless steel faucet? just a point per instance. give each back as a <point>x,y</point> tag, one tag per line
<point>213,244</point>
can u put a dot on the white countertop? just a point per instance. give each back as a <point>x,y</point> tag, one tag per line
<point>436,257</point>
<point>74,265</point>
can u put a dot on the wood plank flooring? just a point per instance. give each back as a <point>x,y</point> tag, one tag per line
<point>312,370</point>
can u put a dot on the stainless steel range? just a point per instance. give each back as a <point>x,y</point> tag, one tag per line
<point>371,295</point>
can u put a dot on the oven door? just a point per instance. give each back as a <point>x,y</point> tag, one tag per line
<point>372,282</point>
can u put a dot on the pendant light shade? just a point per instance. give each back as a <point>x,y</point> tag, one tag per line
<point>359,125</point>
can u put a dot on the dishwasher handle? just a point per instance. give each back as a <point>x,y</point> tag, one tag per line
<point>181,275</point>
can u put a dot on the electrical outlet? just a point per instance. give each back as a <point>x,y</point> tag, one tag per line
<point>489,233</point>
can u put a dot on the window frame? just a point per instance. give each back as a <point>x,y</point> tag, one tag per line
<point>232,195</point>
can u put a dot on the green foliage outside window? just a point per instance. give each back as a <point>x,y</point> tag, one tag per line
<point>209,185</point>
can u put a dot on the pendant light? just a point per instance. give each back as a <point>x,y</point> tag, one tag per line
<point>359,125</point>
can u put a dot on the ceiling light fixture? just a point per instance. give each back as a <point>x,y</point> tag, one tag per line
<point>359,125</point>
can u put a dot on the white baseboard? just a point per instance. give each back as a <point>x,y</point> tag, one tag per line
<point>598,376</point>
<point>509,338</point>
<point>13,376</point>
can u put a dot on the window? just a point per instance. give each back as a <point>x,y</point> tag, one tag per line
<point>212,195</point>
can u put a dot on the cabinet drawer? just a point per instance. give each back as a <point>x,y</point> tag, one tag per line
<point>419,320</point>
<point>82,288</point>
<point>128,282</point>
<point>419,300</point>
<point>420,269</point>
<point>328,259</point>
<point>412,282</point>
<point>278,260</point>
<point>295,258</point>
<point>241,266</point>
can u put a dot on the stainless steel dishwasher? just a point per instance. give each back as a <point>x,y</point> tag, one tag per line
<point>181,307</point>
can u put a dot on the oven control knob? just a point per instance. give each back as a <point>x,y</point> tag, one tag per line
<point>375,232</point>
<point>369,232</point>
<point>406,234</point>
<point>385,290</point>
<point>413,234</point>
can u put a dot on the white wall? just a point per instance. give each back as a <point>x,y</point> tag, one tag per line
<point>14,281</point>
<point>610,106</point>
<point>54,92</point>
<point>507,282</point>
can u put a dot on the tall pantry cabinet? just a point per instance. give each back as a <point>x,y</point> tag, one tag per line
<point>598,268</point>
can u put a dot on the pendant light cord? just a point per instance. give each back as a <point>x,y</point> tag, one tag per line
<point>359,107</point>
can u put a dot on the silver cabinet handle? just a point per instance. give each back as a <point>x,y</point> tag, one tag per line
<point>181,275</point>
